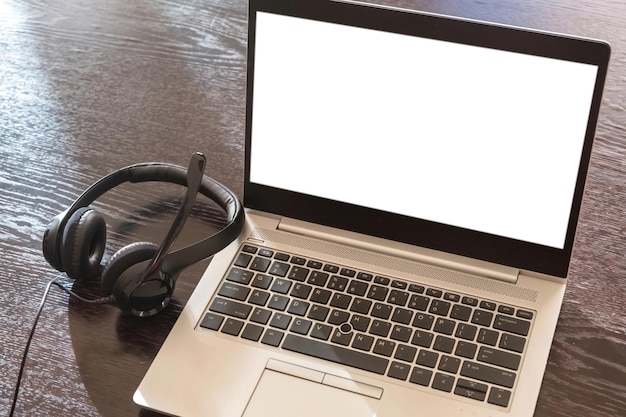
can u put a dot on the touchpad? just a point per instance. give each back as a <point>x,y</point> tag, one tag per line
<point>280,394</point>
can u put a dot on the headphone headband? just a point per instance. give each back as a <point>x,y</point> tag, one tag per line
<point>176,261</point>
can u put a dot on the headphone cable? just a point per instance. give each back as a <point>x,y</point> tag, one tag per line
<point>55,281</point>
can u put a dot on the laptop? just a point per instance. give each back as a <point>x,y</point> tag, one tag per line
<point>412,188</point>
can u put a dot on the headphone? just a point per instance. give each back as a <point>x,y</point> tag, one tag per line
<point>140,277</point>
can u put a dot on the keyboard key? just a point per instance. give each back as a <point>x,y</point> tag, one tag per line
<point>301,291</point>
<point>280,321</point>
<point>230,308</point>
<point>320,296</point>
<point>443,382</point>
<point>451,297</point>
<point>300,326</point>
<point>297,273</point>
<point>357,288</point>
<point>360,323</point>
<point>422,338</point>
<point>260,315</point>
<point>421,376</point>
<point>488,374</point>
<point>466,331</point>
<point>259,297</point>
<point>488,337</point>
<point>439,307</point>
<point>318,278</point>
<point>402,315</point>
<point>405,353</point>
<point>234,291</point>
<point>321,331</point>
<point>281,286</point>
<point>444,344</point>
<point>512,342</point>
<point>401,333</point>
<point>363,342</point>
<point>444,326</point>
<point>262,281</point>
<point>378,292</point>
<point>511,324</point>
<point>212,321</point>
<point>506,310</point>
<point>418,302</point>
<point>266,253</point>
<point>469,301</point>
<point>364,276</point>
<point>252,332</point>
<point>417,288</point>
<point>232,326</point>
<point>333,269</point>
<point>461,312</point>
<point>384,347</point>
<point>338,317</point>
<point>482,317</point>
<point>341,338</point>
<point>278,302</point>
<point>239,275</point>
<point>335,353</point>
<point>499,357</point>
<point>297,260</point>
<point>279,269</point>
<point>528,315</point>
<point>249,249</point>
<point>487,305</point>
<point>399,370</point>
<point>449,364</point>
<point>318,313</point>
<point>338,283</point>
<point>427,358</point>
<point>346,272</point>
<point>423,321</point>
<point>466,349</point>
<point>281,257</point>
<point>314,264</point>
<point>272,337</point>
<point>382,280</point>
<point>434,292</point>
<point>469,393</point>
<point>380,328</point>
<point>340,300</point>
<point>260,264</point>
<point>398,298</point>
<point>243,260</point>
<point>399,284</point>
<point>361,305</point>
<point>382,311</point>
<point>298,307</point>
<point>499,396</point>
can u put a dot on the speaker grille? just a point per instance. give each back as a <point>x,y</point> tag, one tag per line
<point>396,264</point>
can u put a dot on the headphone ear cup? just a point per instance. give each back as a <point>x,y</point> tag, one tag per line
<point>83,243</point>
<point>122,260</point>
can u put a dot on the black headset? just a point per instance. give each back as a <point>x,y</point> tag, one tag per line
<point>140,277</point>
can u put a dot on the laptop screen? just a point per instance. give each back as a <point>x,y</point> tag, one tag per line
<point>421,129</point>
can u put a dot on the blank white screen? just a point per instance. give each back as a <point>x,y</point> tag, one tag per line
<point>472,137</point>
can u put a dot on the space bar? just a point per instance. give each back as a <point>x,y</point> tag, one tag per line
<point>335,354</point>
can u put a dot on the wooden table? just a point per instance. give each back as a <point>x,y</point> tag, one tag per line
<point>88,86</point>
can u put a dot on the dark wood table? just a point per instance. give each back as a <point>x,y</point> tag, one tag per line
<point>87,87</point>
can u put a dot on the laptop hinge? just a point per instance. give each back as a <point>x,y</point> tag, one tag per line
<point>401,250</point>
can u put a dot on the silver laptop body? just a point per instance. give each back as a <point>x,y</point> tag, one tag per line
<point>412,189</point>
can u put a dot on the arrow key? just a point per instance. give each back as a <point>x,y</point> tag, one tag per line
<point>499,397</point>
<point>443,382</point>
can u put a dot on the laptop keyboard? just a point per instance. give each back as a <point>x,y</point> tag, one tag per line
<point>448,341</point>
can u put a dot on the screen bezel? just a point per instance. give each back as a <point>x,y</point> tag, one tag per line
<point>428,234</point>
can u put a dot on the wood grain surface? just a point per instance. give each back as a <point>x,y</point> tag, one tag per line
<point>88,86</point>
